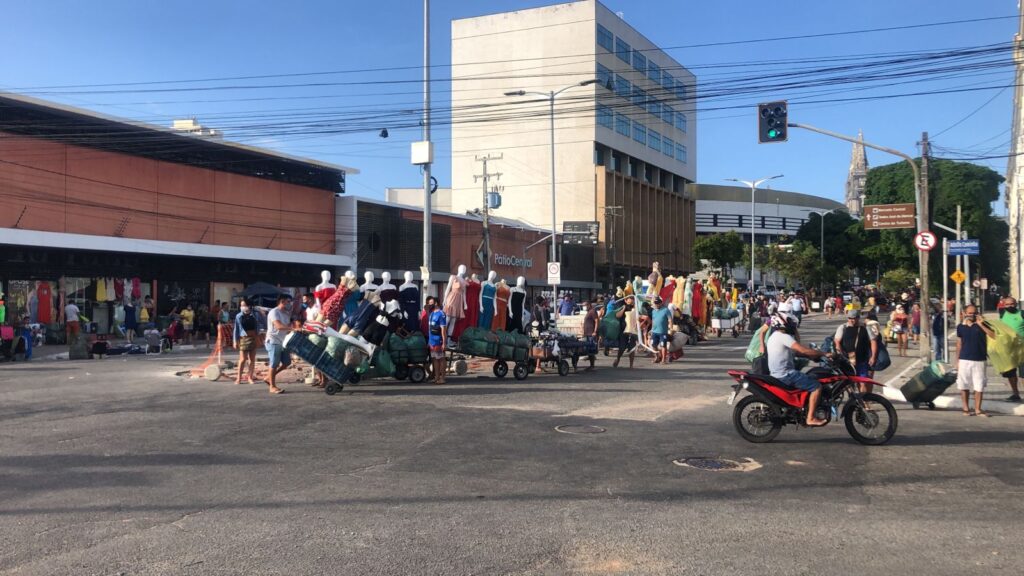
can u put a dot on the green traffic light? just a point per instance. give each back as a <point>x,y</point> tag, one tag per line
<point>773,133</point>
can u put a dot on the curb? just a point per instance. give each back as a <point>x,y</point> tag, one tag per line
<point>949,402</point>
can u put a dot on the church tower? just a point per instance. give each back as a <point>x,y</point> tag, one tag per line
<point>857,178</point>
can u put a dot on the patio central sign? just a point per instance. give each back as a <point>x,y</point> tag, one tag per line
<point>513,261</point>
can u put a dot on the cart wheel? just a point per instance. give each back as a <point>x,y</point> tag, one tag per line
<point>331,389</point>
<point>461,367</point>
<point>417,374</point>
<point>520,371</point>
<point>355,378</point>
<point>401,372</point>
<point>500,368</point>
<point>563,367</point>
<point>931,405</point>
<point>531,366</point>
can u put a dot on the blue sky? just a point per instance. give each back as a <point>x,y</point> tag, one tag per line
<point>65,42</point>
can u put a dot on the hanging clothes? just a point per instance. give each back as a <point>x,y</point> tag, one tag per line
<point>697,310</point>
<point>101,290</point>
<point>136,288</point>
<point>45,295</point>
<point>409,300</point>
<point>351,303</point>
<point>111,297</point>
<point>472,303</point>
<point>119,289</point>
<point>515,318</point>
<point>666,292</point>
<point>501,297</point>
<point>486,306</point>
<point>33,307</point>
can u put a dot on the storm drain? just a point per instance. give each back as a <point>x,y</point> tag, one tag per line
<point>579,429</point>
<point>717,464</point>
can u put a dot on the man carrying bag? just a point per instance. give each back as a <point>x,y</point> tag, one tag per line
<point>853,340</point>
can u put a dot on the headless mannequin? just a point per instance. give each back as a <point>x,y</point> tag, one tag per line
<point>488,302</point>
<point>324,289</point>
<point>460,274</point>
<point>491,277</point>
<point>517,305</point>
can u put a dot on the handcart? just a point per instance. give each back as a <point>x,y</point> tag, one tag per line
<point>546,351</point>
<point>503,347</point>
<point>336,372</point>
<point>574,348</point>
<point>720,325</point>
<point>410,355</point>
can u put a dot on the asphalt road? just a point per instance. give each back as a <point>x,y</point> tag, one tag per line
<point>121,467</point>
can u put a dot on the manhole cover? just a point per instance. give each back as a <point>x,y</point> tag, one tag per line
<point>579,429</point>
<point>717,464</point>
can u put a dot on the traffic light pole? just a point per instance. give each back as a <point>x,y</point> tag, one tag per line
<point>920,202</point>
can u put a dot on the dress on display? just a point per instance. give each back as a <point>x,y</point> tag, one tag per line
<point>136,288</point>
<point>110,290</point>
<point>515,319</point>
<point>472,303</point>
<point>119,289</point>
<point>697,303</point>
<point>335,305</point>
<point>455,306</point>
<point>33,307</point>
<point>666,292</point>
<point>322,294</point>
<point>388,294</point>
<point>352,304</point>
<point>655,280</point>
<point>501,307</point>
<point>101,290</point>
<point>45,295</point>
<point>409,300</point>
<point>487,311</point>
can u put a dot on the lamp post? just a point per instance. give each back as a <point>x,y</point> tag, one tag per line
<point>821,245</point>
<point>554,223</point>
<point>753,188</point>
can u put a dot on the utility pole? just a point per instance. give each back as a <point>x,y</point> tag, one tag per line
<point>427,225</point>
<point>923,210</point>
<point>486,176</point>
<point>611,213</point>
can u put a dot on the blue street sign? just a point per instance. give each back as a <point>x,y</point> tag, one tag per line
<point>964,247</point>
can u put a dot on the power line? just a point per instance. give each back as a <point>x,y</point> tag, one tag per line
<point>972,113</point>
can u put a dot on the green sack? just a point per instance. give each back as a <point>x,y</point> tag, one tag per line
<point>385,366</point>
<point>610,328</point>
<point>396,344</point>
<point>506,352</point>
<point>318,340</point>
<point>520,354</point>
<point>522,341</point>
<point>416,348</point>
<point>754,348</point>
<point>335,348</point>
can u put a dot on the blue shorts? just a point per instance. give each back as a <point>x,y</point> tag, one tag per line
<point>278,356</point>
<point>863,370</point>
<point>801,381</point>
<point>659,340</point>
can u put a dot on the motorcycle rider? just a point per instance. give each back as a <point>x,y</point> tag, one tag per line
<point>781,347</point>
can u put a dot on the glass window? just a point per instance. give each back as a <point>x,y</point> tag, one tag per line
<point>681,121</point>
<point>668,146</point>
<point>639,61</point>
<point>668,114</point>
<point>622,87</point>
<point>654,107</point>
<point>639,132</point>
<point>604,75</point>
<point>680,90</point>
<point>654,71</point>
<point>622,50</point>
<point>605,39</point>
<point>681,153</point>
<point>653,140</point>
<point>604,116</point>
<point>639,97</point>
<point>668,82</point>
<point>622,124</point>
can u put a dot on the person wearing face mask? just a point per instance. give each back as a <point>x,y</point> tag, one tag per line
<point>1011,315</point>
<point>244,340</point>
<point>971,352</point>
<point>630,328</point>
<point>781,347</point>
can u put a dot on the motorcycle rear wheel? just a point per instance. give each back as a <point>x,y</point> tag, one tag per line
<point>756,420</point>
<point>873,427</point>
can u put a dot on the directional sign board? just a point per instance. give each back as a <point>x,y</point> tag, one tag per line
<point>554,273</point>
<point>958,277</point>
<point>585,232</point>
<point>964,247</point>
<point>889,216</point>
<point>925,241</point>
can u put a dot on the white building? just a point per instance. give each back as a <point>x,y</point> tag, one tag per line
<point>1015,170</point>
<point>624,146</point>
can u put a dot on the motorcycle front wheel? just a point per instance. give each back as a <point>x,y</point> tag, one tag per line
<point>756,420</point>
<point>874,424</point>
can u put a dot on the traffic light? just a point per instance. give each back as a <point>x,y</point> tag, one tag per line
<point>771,122</point>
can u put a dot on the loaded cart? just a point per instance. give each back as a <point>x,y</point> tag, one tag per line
<point>504,347</point>
<point>928,384</point>
<point>546,350</point>
<point>323,354</point>
<point>409,354</point>
<point>725,319</point>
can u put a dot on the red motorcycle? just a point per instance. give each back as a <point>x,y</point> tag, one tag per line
<point>870,418</point>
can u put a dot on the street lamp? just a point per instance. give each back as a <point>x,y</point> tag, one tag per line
<point>753,188</point>
<point>822,215</point>
<point>554,226</point>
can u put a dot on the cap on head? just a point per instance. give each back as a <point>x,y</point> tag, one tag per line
<point>852,314</point>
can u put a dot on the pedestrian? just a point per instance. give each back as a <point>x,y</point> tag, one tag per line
<point>971,351</point>
<point>660,318</point>
<point>428,305</point>
<point>915,322</point>
<point>628,338</point>
<point>71,320</point>
<point>278,325</point>
<point>830,307</point>
<point>202,324</point>
<point>591,322</point>
<point>188,317</point>
<point>939,331</point>
<point>854,341</point>
<point>437,338</point>
<point>148,313</point>
<point>244,340</point>
<point>539,317</point>
<point>567,306</point>
<point>900,321</point>
<point>796,304</point>
<point>1011,315</point>
<point>309,311</point>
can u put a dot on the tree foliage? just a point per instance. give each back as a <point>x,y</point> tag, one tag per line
<point>898,280</point>
<point>721,251</point>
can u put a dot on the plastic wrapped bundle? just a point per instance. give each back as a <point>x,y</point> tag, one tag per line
<point>318,340</point>
<point>416,345</point>
<point>336,347</point>
<point>354,357</point>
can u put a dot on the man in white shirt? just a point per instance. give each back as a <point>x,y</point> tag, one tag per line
<point>71,319</point>
<point>796,304</point>
<point>781,347</point>
<point>278,325</point>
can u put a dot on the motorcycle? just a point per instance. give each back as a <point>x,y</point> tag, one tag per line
<point>759,417</point>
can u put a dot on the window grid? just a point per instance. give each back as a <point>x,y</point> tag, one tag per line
<point>622,87</point>
<point>639,61</point>
<point>622,124</point>
<point>668,82</point>
<point>639,132</point>
<point>653,140</point>
<point>667,146</point>
<point>605,39</point>
<point>681,153</point>
<point>622,50</point>
<point>605,116</point>
<point>604,75</point>
<point>639,96</point>
<point>681,122</point>
<point>654,72</point>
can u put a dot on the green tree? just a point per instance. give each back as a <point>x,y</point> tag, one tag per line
<point>897,280</point>
<point>844,240</point>
<point>721,251</point>
<point>950,183</point>
<point>802,264</point>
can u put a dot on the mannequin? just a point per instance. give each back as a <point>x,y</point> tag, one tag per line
<point>668,289</point>
<point>516,306</point>
<point>487,301</point>
<point>330,312</point>
<point>409,299</point>
<point>387,290</point>
<point>323,290</point>
<point>679,294</point>
<point>368,284</point>
<point>455,300</point>
<point>687,307</point>
<point>502,304</point>
<point>638,286</point>
<point>351,304</point>
<point>655,279</point>
<point>472,303</point>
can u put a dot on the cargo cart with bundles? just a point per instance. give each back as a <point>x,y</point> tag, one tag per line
<point>409,354</point>
<point>326,354</point>
<point>547,350</point>
<point>572,349</point>
<point>504,347</point>
<point>725,319</point>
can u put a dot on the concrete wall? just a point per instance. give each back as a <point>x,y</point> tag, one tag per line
<point>55,187</point>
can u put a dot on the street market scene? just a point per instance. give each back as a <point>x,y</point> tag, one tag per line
<point>458,302</point>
